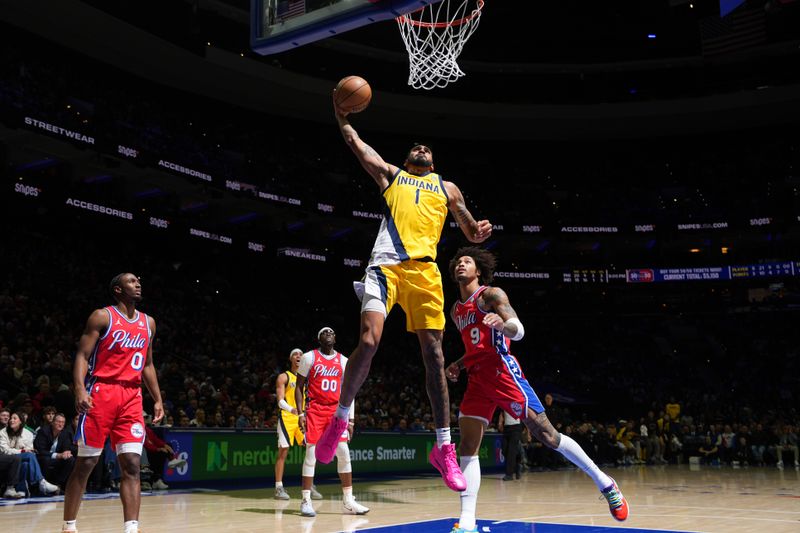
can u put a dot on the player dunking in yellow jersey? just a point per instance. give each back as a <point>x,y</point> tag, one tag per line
<point>402,269</point>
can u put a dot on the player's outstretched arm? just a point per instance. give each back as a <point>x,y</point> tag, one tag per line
<point>95,326</point>
<point>150,377</point>
<point>373,163</point>
<point>503,317</point>
<point>475,230</point>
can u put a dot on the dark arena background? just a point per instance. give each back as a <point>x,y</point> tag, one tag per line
<point>639,163</point>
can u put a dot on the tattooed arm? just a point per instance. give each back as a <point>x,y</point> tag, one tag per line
<point>475,230</point>
<point>502,316</point>
<point>373,163</point>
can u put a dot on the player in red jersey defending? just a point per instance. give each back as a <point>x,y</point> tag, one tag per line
<point>322,369</point>
<point>115,354</point>
<point>488,324</point>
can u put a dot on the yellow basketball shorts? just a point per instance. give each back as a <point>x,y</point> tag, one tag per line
<point>416,286</point>
<point>289,431</point>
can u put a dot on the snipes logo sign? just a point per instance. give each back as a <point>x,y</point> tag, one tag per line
<point>217,456</point>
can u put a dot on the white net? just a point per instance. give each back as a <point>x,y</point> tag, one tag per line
<point>434,37</point>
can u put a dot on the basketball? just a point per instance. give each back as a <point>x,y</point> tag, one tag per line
<point>352,94</point>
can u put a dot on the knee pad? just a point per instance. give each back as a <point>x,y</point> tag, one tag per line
<point>343,465</point>
<point>309,462</point>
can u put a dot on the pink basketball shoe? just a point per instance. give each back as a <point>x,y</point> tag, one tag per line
<point>326,447</point>
<point>444,460</point>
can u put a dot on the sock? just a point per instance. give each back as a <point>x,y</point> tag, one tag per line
<point>572,451</point>
<point>305,495</point>
<point>471,468</point>
<point>69,525</point>
<point>348,493</point>
<point>442,436</point>
<point>342,412</point>
<point>132,526</point>
<point>278,485</point>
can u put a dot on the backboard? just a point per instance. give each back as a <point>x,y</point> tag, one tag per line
<point>279,25</point>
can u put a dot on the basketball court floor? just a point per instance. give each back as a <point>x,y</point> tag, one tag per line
<point>661,499</point>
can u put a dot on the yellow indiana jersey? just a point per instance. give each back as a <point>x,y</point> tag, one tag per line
<point>413,218</point>
<point>291,385</point>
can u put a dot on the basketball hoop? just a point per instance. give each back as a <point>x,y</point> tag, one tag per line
<point>435,37</point>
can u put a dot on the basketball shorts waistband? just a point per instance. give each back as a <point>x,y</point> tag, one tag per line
<point>120,382</point>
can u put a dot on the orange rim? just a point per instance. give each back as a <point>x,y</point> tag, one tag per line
<point>439,25</point>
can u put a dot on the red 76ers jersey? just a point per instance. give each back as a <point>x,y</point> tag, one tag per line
<point>324,376</point>
<point>479,339</point>
<point>121,352</point>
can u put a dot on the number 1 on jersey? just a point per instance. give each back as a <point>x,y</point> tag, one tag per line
<point>417,200</point>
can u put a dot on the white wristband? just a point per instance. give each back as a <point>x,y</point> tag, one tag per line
<point>283,404</point>
<point>520,330</point>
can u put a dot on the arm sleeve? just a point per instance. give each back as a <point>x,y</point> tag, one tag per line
<point>520,329</point>
<point>305,364</point>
